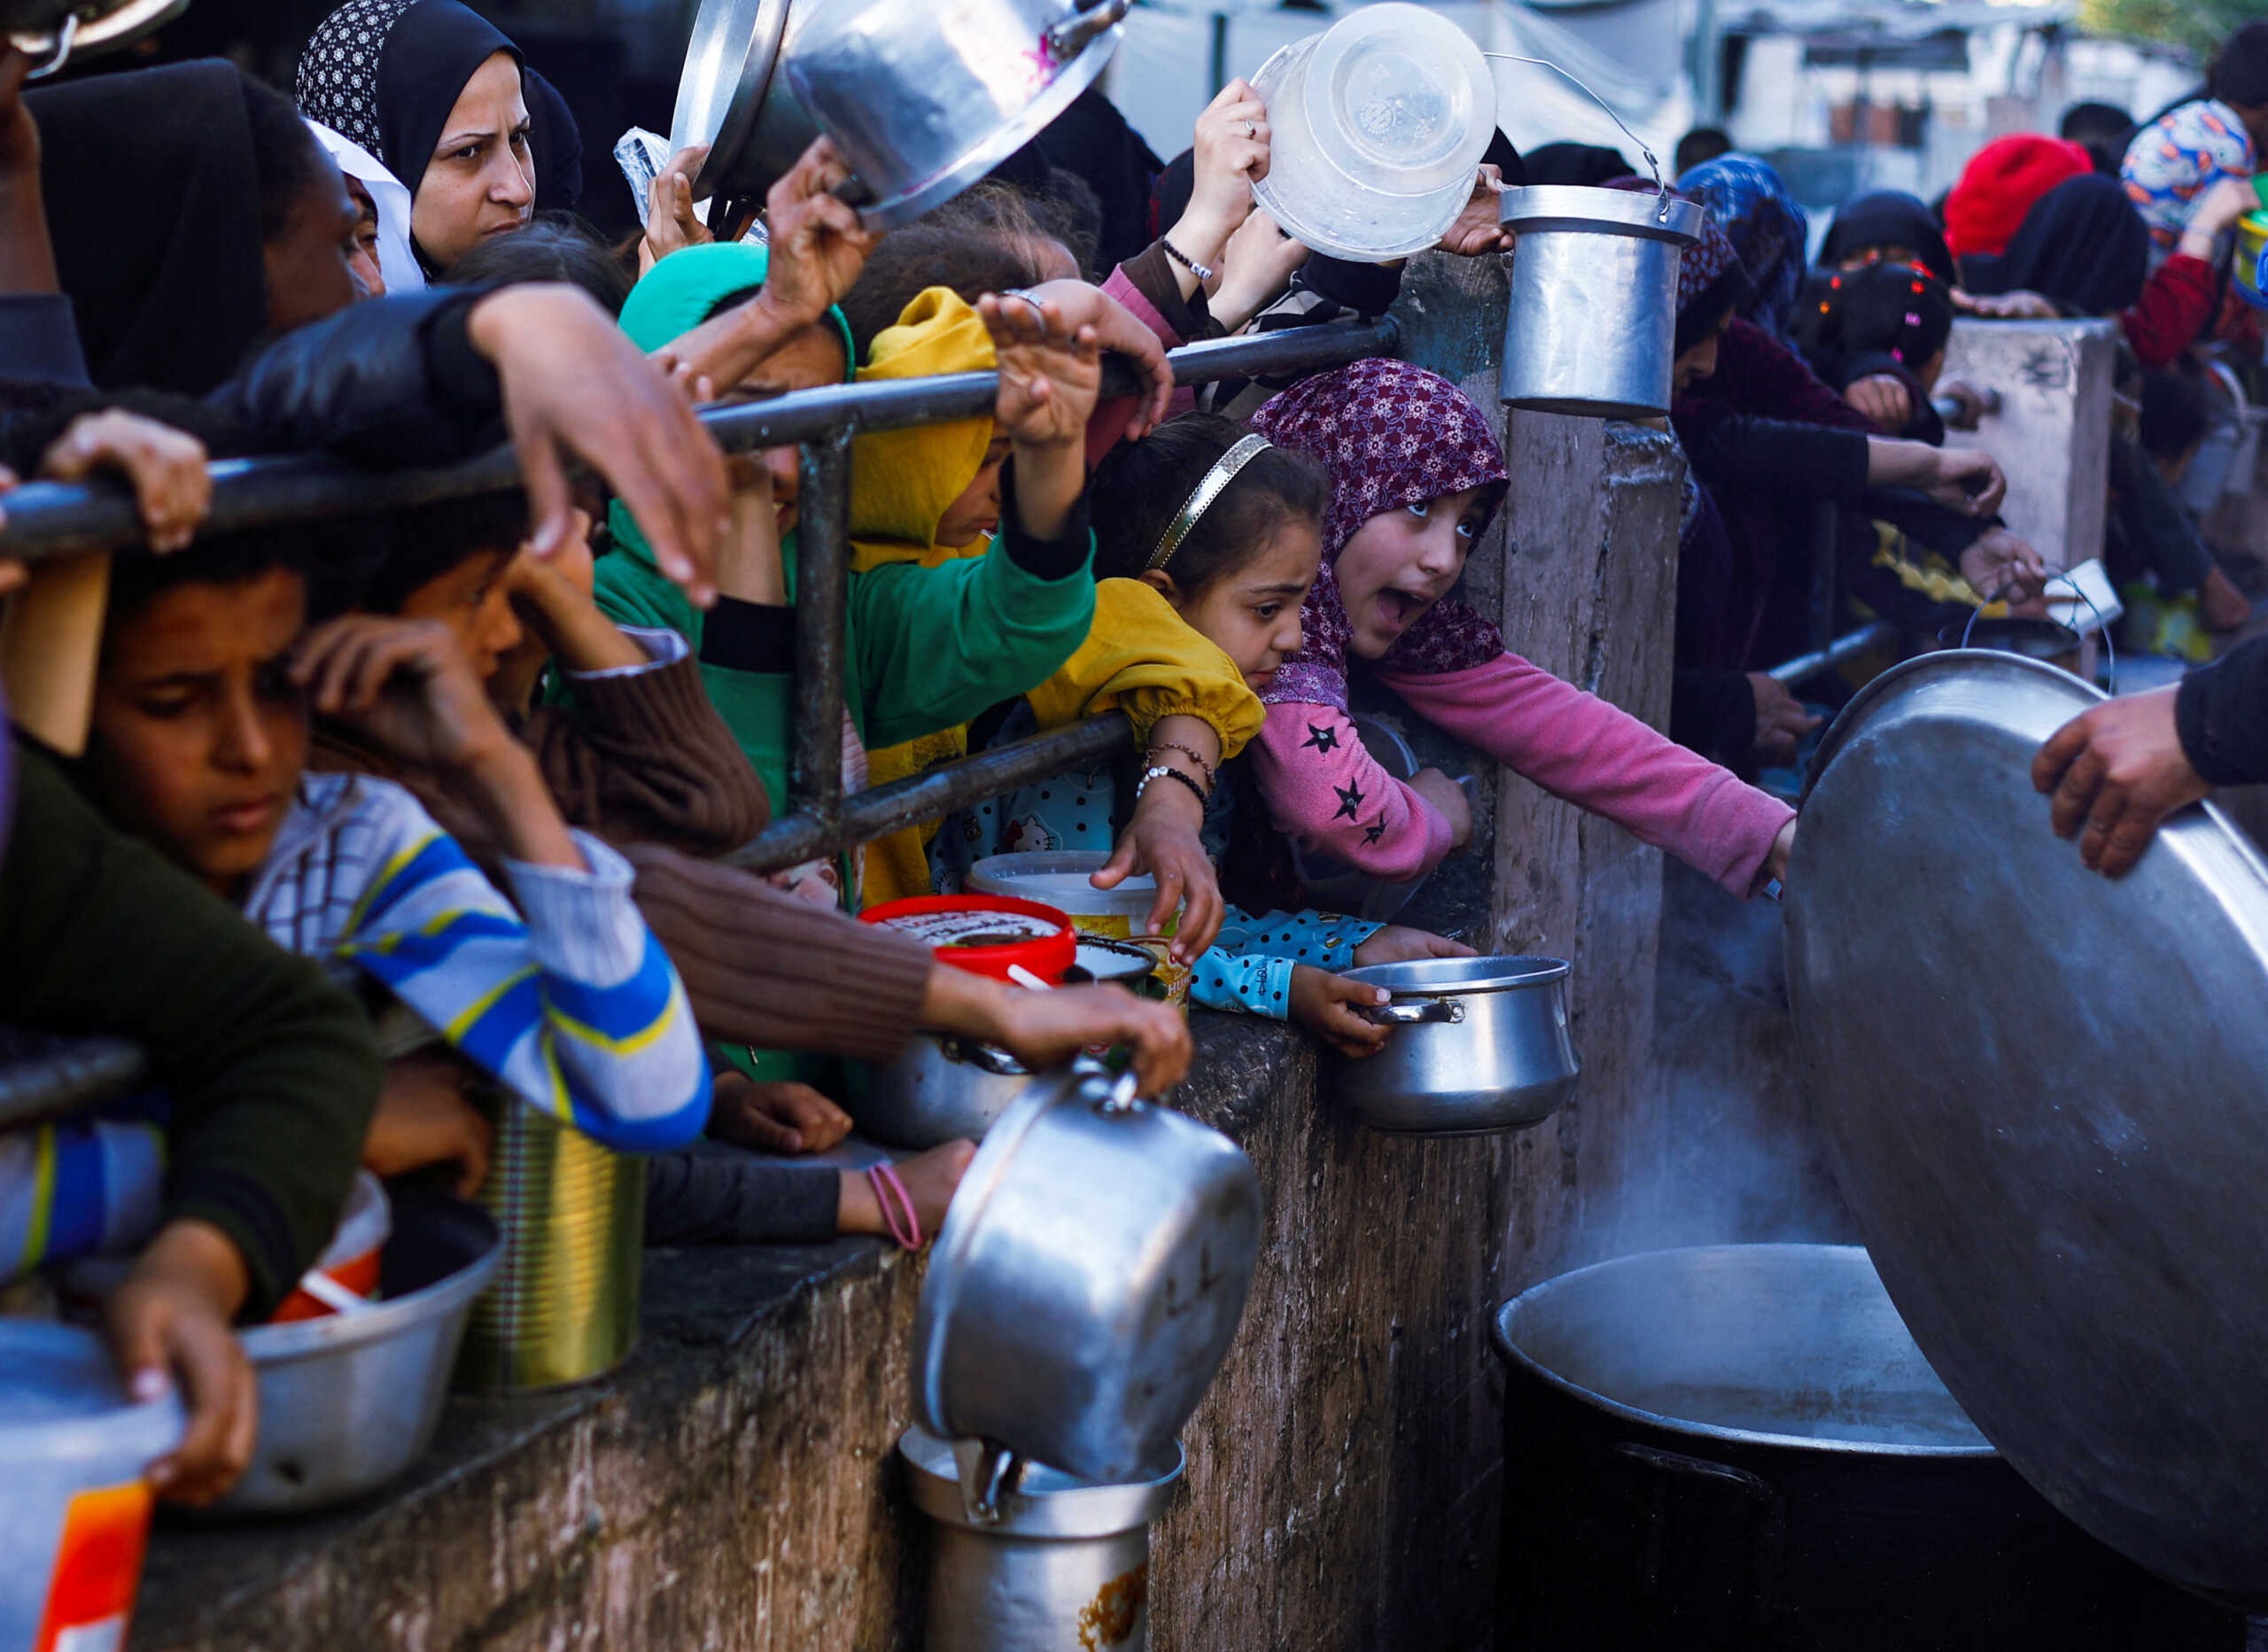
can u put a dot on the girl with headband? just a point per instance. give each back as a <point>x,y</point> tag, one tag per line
<point>1209,539</point>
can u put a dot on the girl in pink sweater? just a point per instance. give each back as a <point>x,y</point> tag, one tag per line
<point>1416,475</point>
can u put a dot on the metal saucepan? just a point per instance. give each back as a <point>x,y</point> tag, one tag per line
<point>923,99</point>
<point>1087,1283</point>
<point>941,1089</point>
<point>58,30</point>
<point>349,1401</point>
<point>1479,1044</point>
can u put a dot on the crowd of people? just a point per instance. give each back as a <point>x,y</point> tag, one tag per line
<point>367,828</point>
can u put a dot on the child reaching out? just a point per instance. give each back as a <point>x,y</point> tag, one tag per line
<point>1208,541</point>
<point>1416,475</point>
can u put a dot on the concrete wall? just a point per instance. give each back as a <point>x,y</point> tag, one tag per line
<point>2052,434</point>
<point>731,1486</point>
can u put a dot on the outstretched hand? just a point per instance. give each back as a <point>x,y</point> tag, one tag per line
<point>671,225</point>
<point>1479,228</point>
<point>1163,840</point>
<point>2117,770</point>
<point>165,466</point>
<point>818,244</point>
<point>1079,304</point>
<point>1329,1007</point>
<point>1051,371</point>
<point>575,387</point>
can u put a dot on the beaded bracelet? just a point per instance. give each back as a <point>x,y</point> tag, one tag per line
<point>1148,775</point>
<point>1183,259</point>
<point>1203,767</point>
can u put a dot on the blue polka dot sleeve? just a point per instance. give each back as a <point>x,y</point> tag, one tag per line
<point>1242,984</point>
<point>1326,940</point>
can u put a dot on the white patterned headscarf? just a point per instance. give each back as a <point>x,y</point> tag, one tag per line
<point>397,261</point>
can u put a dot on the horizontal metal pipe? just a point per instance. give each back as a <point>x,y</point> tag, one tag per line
<point>934,793</point>
<point>1791,672</point>
<point>44,519</point>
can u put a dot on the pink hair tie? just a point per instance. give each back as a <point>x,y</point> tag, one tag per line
<point>903,1221</point>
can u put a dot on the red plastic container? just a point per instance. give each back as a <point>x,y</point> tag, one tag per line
<point>955,921</point>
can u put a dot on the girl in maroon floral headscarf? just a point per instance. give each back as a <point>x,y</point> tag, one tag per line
<point>1416,475</point>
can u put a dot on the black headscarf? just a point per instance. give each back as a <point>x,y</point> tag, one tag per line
<point>2082,244</point>
<point>153,203</point>
<point>1889,218</point>
<point>1575,163</point>
<point>386,72</point>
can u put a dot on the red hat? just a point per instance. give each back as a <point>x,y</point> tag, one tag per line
<point>2005,178</point>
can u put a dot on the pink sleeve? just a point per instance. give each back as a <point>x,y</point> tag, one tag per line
<point>1577,747</point>
<point>1329,794</point>
<point>1107,426</point>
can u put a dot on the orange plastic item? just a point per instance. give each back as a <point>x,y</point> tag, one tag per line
<point>98,1567</point>
<point>1046,955</point>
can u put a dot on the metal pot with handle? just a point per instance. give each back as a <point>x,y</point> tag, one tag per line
<point>1087,1283</point>
<point>924,98</point>
<point>940,1088</point>
<point>58,30</point>
<point>1480,1044</point>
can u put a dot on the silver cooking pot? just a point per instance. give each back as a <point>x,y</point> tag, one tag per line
<point>1479,1044</point>
<point>924,98</point>
<point>55,31</point>
<point>941,1089</point>
<point>1088,1280</point>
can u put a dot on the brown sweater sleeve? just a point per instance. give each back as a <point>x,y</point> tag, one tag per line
<point>1150,272</point>
<point>644,757</point>
<point>762,968</point>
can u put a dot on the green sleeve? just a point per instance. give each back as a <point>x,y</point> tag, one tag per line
<point>632,592</point>
<point>271,1067</point>
<point>938,645</point>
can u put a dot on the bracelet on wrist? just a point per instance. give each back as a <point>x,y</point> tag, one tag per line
<point>1162,771</point>
<point>1203,272</point>
<point>1212,779</point>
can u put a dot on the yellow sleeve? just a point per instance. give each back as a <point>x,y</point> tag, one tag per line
<point>1140,658</point>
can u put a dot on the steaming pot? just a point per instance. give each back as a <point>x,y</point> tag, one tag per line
<point>1592,328</point>
<point>1740,1448</point>
<point>1480,1044</point>
<point>1088,1280</point>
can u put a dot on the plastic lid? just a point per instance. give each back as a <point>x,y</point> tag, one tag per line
<point>985,934</point>
<point>1401,98</point>
<point>1060,877</point>
<point>61,1404</point>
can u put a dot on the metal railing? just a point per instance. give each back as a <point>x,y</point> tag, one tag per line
<point>45,520</point>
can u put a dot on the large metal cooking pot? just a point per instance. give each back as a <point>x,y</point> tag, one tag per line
<point>348,1401</point>
<point>924,97</point>
<point>1479,1044</point>
<point>730,65</point>
<point>1061,1561</point>
<point>1593,324</point>
<point>1739,1448</point>
<point>941,1089</point>
<point>1088,1280</point>
<point>56,31</point>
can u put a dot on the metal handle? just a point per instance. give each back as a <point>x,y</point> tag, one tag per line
<point>2103,629</point>
<point>984,1057</point>
<point>1120,1096</point>
<point>989,1472</point>
<point>1067,39</point>
<point>1751,1486</point>
<point>1652,160</point>
<point>1424,1012</point>
<point>65,37</point>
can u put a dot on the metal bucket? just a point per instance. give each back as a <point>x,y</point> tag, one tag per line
<point>1592,328</point>
<point>563,1307</point>
<point>1066,1563</point>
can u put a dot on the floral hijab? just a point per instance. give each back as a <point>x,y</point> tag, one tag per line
<point>1392,435</point>
<point>1768,227</point>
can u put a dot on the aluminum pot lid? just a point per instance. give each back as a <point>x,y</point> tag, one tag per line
<point>2043,1092</point>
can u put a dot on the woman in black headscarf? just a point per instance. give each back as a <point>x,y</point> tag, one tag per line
<point>437,93</point>
<point>2082,247</point>
<point>1886,227</point>
<point>241,225</point>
